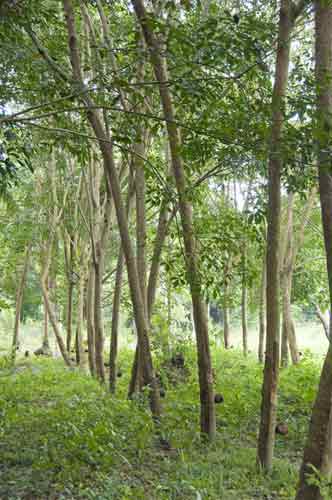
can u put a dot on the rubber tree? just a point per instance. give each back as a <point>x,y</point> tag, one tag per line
<point>111,173</point>
<point>159,64</point>
<point>317,452</point>
<point>288,14</point>
<point>19,300</point>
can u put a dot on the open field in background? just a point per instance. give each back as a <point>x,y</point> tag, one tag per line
<point>310,335</point>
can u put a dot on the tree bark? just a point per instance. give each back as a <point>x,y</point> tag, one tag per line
<point>317,451</point>
<point>80,354</point>
<point>19,301</point>
<point>117,300</point>
<point>115,322</point>
<point>46,342</point>
<point>262,312</point>
<point>271,368</point>
<point>244,318</point>
<point>98,320</point>
<point>69,314</point>
<point>208,422</point>
<point>90,320</point>
<point>226,313</point>
<point>288,328</point>
<point>50,312</point>
<point>323,321</point>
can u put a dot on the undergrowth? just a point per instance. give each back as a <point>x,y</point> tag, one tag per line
<point>63,436</point>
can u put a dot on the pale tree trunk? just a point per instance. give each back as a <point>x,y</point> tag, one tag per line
<point>262,296</point>
<point>90,320</point>
<point>226,314</point>
<point>271,367</point>
<point>57,210</point>
<point>115,321</point>
<point>80,354</point>
<point>69,315</point>
<point>46,342</point>
<point>98,320</point>
<point>317,451</point>
<point>244,294</point>
<point>113,179</point>
<point>19,301</point>
<point>117,300</point>
<point>208,422</point>
<point>138,373</point>
<point>50,312</point>
<point>244,318</point>
<point>288,329</point>
<point>323,321</point>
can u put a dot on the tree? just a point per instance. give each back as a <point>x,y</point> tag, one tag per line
<point>288,14</point>
<point>318,450</point>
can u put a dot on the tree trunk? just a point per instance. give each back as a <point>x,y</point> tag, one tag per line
<point>208,422</point>
<point>50,312</point>
<point>69,314</point>
<point>317,451</point>
<point>262,312</point>
<point>244,319</point>
<point>98,320</point>
<point>323,321</point>
<point>226,315</point>
<point>288,328</point>
<point>111,173</point>
<point>19,300</point>
<point>271,368</point>
<point>46,342</point>
<point>70,294</point>
<point>117,300</point>
<point>90,320</point>
<point>115,321</point>
<point>80,354</point>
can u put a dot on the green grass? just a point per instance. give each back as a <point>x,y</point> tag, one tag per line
<point>63,436</point>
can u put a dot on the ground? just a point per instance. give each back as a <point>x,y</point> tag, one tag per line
<point>63,436</point>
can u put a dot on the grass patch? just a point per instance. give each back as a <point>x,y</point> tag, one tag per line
<point>63,436</point>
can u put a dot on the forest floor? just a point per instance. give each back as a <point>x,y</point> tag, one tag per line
<point>63,436</point>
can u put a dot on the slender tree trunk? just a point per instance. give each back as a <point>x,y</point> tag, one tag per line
<point>226,315</point>
<point>98,320</point>
<point>19,301</point>
<point>69,315</point>
<point>80,354</point>
<point>46,342</point>
<point>51,314</point>
<point>271,368</point>
<point>140,247</point>
<point>262,312</point>
<point>323,321</point>
<point>288,327</point>
<point>115,321</point>
<point>117,300</point>
<point>317,451</point>
<point>90,320</point>
<point>244,319</point>
<point>113,180</point>
<point>208,423</point>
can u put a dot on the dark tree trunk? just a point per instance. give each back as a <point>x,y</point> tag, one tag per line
<point>262,312</point>
<point>271,368</point>
<point>208,422</point>
<point>317,451</point>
